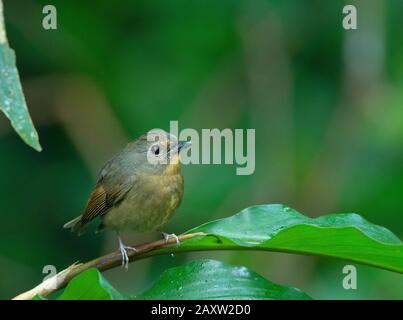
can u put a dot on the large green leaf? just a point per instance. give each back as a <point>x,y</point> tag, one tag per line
<point>198,279</point>
<point>12,101</point>
<point>280,228</point>
<point>209,279</point>
<point>264,227</point>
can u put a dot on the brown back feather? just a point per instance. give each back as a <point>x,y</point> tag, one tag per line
<point>102,200</point>
<point>97,204</point>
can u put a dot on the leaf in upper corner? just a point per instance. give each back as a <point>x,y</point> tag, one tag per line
<point>12,101</point>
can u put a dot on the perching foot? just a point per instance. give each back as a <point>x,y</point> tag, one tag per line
<point>168,236</point>
<point>123,250</point>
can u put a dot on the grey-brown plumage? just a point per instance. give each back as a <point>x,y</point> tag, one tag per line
<point>133,194</point>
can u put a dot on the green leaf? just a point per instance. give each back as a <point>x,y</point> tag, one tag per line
<point>209,279</point>
<point>12,101</point>
<point>280,228</point>
<point>198,279</point>
<point>90,285</point>
<point>264,227</point>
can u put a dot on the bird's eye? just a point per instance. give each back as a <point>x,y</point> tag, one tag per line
<point>155,150</point>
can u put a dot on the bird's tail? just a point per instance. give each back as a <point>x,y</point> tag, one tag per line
<point>75,225</point>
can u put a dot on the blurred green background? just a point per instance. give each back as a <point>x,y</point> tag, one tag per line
<point>326,105</point>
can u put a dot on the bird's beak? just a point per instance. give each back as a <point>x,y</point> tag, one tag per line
<point>184,145</point>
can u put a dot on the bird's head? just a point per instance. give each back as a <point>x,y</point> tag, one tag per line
<point>158,152</point>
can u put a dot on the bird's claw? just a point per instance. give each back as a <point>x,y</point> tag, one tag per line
<point>168,236</point>
<point>123,251</point>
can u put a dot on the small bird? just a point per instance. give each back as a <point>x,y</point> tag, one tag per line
<point>137,190</point>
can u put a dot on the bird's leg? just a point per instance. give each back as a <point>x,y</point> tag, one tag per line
<point>123,250</point>
<point>168,236</point>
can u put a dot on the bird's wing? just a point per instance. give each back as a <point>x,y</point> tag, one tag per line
<point>103,198</point>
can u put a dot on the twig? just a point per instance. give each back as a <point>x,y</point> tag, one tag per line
<point>102,263</point>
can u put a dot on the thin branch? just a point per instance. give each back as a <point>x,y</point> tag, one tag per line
<point>102,263</point>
